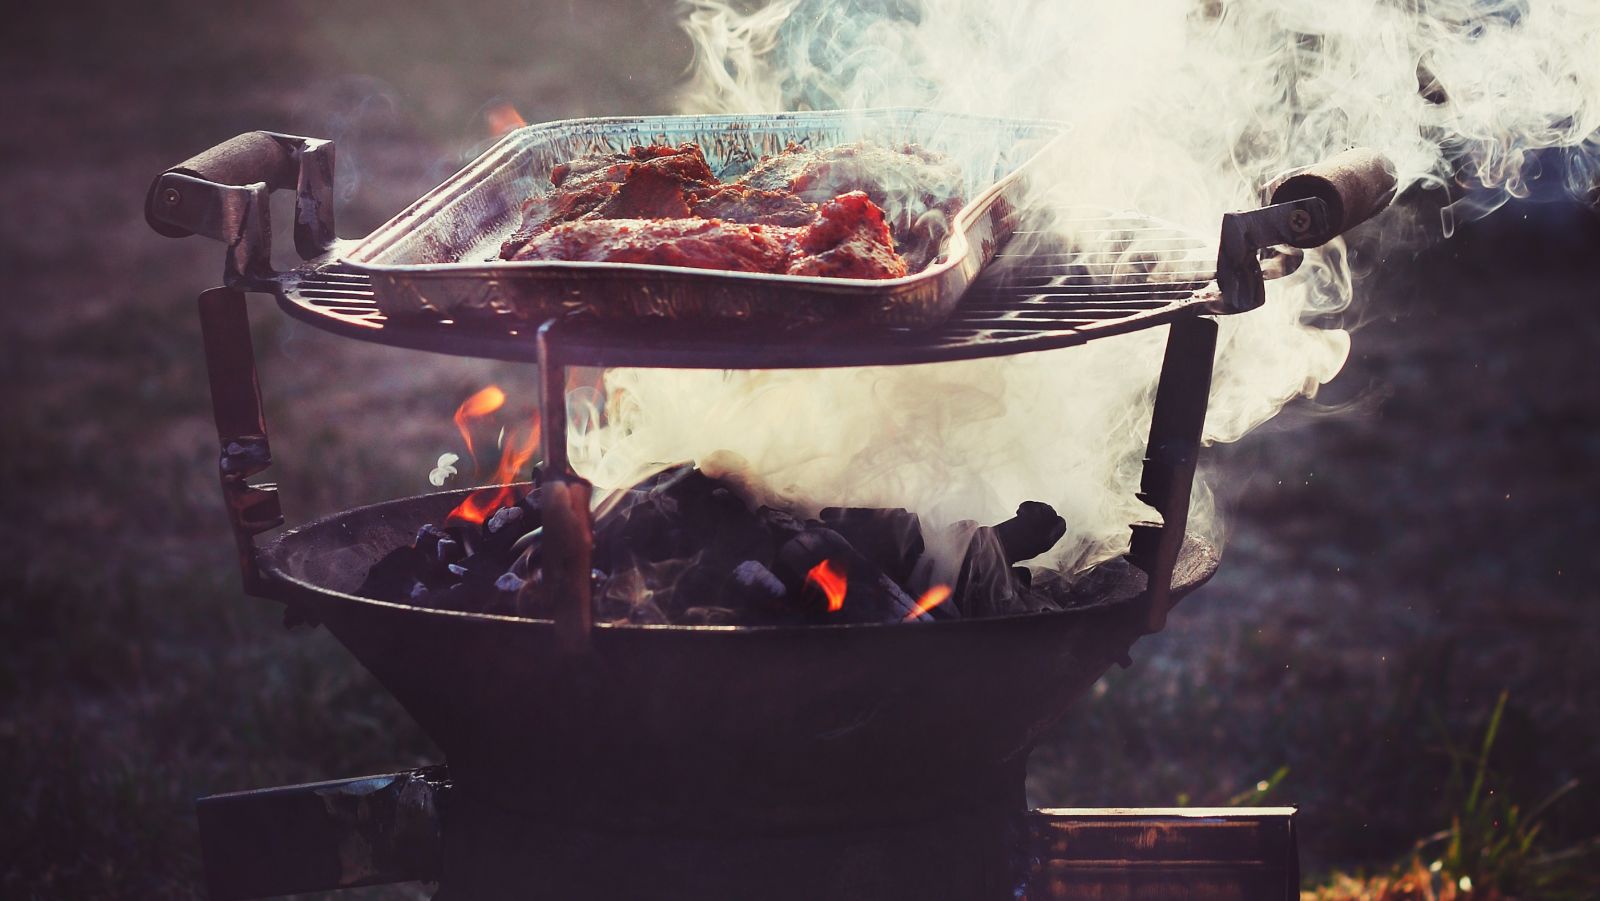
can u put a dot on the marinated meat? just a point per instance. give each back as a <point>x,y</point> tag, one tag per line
<point>695,243</point>
<point>653,182</point>
<point>739,203</point>
<point>848,239</point>
<point>802,212</point>
<point>923,189</point>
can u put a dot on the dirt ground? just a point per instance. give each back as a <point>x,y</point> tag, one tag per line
<point>1399,553</point>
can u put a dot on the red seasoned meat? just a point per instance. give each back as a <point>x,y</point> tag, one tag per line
<point>695,243</point>
<point>653,182</point>
<point>850,239</point>
<point>738,203</point>
<point>802,212</point>
<point>922,188</point>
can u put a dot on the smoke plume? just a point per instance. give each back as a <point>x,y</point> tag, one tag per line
<point>1180,109</point>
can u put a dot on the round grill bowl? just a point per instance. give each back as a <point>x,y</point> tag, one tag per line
<point>704,728</point>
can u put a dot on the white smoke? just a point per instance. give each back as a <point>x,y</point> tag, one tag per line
<point>1180,109</point>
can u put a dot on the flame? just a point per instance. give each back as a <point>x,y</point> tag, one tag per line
<point>477,406</point>
<point>481,503</point>
<point>831,581</point>
<point>930,599</point>
<point>503,118</point>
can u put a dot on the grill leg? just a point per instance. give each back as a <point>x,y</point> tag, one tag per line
<point>1175,428</point>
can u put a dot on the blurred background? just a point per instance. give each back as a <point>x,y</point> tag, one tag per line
<point>1403,553</point>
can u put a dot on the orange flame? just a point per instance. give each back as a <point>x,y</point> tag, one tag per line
<point>503,118</point>
<point>930,599</point>
<point>831,581</point>
<point>477,406</point>
<point>479,504</point>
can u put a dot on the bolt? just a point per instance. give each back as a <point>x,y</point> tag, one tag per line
<point>171,196</point>
<point>1299,221</point>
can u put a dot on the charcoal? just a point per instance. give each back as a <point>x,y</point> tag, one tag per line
<point>750,586</point>
<point>870,595</point>
<point>502,529</point>
<point>985,586</point>
<point>1035,529</point>
<point>479,570</point>
<point>684,547</point>
<point>890,538</point>
<point>448,550</point>
<point>505,520</point>
<point>642,530</point>
<point>428,538</point>
<point>780,524</point>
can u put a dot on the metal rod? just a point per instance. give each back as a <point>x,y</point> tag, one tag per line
<point>241,427</point>
<point>564,497</point>
<point>1176,424</point>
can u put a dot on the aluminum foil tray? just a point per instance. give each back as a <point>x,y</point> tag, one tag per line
<point>437,259</point>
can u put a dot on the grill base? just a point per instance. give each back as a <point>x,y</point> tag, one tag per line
<point>416,827</point>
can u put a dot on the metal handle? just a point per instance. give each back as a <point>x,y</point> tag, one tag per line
<point>1355,185</point>
<point>222,193</point>
<point>1309,207</point>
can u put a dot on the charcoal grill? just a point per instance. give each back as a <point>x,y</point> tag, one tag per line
<point>566,733</point>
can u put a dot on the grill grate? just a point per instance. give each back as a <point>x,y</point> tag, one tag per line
<point>1088,275</point>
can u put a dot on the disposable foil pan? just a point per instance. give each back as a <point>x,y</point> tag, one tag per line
<point>437,259</point>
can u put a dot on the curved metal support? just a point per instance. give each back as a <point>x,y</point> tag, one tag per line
<point>241,427</point>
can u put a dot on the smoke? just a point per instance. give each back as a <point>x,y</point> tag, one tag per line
<point>1180,109</point>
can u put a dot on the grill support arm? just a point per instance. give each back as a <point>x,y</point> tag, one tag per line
<point>564,499</point>
<point>241,427</point>
<point>1176,424</point>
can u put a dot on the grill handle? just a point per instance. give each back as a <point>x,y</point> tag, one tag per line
<point>222,193</point>
<point>1355,185</point>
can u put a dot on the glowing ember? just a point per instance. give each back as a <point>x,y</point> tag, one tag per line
<point>831,581</point>
<point>930,599</point>
<point>477,406</point>
<point>503,118</point>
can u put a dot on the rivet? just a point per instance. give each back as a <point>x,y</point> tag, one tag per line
<point>171,196</point>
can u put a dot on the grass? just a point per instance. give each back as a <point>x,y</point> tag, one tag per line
<point>1494,848</point>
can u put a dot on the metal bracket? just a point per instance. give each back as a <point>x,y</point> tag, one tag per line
<point>1246,234</point>
<point>241,427</point>
<point>225,197</point>
<point>1176,424</point>
<point>564,498</point>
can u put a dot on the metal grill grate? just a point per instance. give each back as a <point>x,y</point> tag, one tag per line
<point>1071,278</point>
